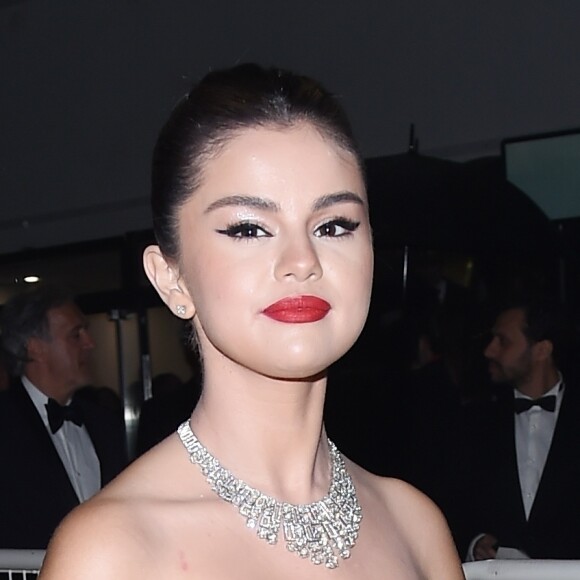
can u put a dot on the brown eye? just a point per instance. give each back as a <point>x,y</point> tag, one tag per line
<point>245,230</point>
<point>336,228</point>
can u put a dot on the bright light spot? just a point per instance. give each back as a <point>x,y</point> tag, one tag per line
<point>31,279</point>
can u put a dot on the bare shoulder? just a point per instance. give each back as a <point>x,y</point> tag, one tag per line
<point>97,540</point>
<point>419,522</point>
<point>122,532</point>
<point>403,497</point>
<point>394,492</point>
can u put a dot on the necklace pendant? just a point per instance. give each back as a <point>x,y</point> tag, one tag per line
<point>323,531</point>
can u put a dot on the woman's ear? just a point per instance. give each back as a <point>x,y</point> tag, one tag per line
<point>166,279</point>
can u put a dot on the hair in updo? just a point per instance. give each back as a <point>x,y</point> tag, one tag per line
<point>223,103</point>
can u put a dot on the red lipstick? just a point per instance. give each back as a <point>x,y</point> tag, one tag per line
<point>298,309</point>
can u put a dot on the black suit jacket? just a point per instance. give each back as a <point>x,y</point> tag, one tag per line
<point>35,491</point>
<point>553,528</point>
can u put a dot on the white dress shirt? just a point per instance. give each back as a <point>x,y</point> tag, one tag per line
<point>74,447</point>
<point>534,430</point>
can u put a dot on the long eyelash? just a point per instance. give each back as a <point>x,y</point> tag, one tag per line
<point>346,223</point>
<point>232,230</point>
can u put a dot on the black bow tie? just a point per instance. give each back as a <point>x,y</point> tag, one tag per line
<point>547,403</point>
<point>58,414</point>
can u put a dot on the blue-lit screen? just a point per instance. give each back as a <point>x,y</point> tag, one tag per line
<point>547,169</point>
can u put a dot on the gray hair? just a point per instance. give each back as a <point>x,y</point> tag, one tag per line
<point>25,316</point>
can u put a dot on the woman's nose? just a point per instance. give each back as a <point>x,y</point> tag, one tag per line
<point>298,260</point>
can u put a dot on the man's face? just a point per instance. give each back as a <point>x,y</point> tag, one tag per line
<point>65,354</point>
<point>509,352</point>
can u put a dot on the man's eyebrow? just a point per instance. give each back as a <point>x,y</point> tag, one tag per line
<point>243,200</point>
<point>340,197</point>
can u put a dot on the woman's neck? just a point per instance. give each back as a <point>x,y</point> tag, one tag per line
<point>267,432</point>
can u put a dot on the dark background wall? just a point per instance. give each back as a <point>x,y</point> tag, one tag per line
<point>86,85</point>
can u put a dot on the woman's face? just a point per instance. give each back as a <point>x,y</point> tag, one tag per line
<point>276,253</point>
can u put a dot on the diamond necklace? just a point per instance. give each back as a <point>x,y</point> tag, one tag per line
<point>321,531</point>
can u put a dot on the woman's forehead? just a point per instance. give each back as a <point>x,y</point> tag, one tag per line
<point>287,155</point>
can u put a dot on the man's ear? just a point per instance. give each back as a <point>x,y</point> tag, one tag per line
<point>35,348</point>
<point>168,282</point>
<point>544,349</point>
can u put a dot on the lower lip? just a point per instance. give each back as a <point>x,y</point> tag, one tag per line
<point>298,310</point>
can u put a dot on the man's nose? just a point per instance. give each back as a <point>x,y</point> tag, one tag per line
<point>491,348</point>
<point>88,342</point>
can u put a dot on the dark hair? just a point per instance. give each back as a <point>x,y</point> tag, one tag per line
<point>223,103</point>
<point>25,316</point>
<point>545,319</point>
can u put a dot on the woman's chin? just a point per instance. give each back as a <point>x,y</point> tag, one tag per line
<point>302,376</point>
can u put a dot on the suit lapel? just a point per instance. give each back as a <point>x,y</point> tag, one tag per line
<point>108,440</point>
<point>508,500</point>
<point>41,448</point>
<point>566,437</point>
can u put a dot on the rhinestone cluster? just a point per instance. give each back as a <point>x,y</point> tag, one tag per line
<point>322,531</point>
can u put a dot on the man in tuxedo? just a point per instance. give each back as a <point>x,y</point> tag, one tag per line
<point>55,451</point>
<point>526,466</point>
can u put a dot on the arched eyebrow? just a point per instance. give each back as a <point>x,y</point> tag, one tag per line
<point>265,204</point>
<point>245,201</point>
<point>339,197</point>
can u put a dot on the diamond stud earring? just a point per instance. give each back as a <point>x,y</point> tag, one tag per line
<point>180,309</point>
